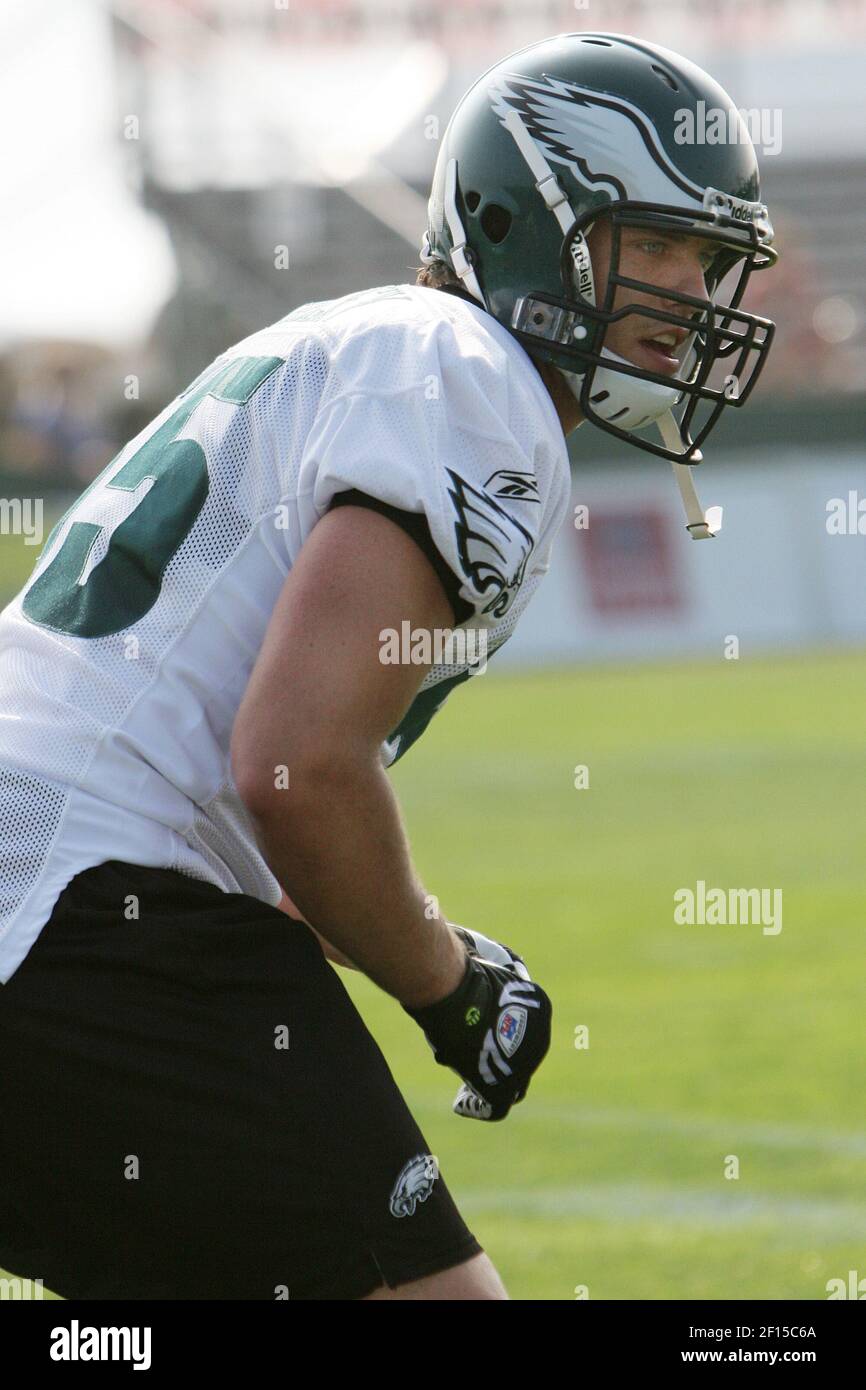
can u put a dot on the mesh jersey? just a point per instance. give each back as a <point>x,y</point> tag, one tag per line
<point>124,658</point>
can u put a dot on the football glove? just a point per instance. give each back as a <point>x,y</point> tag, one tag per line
<point>467,1102</point>
<point>493,1029</point>
<point>494,951</point>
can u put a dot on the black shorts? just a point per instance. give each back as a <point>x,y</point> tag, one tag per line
<point>159,1139</point>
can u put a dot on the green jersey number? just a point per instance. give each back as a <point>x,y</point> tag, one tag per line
<point>126,583</point>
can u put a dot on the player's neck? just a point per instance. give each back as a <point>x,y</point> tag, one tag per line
<point>567,408</point>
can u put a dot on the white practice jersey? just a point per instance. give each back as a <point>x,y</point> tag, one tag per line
<point>124,658</point>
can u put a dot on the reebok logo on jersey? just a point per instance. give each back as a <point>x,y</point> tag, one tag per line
<point>492,546</point>
<point>414,1184</point>
<point>521,487</point>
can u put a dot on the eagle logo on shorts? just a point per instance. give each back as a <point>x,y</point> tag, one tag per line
<point>414,1184</point>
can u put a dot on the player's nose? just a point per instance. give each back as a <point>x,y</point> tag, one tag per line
<point>687,276</point>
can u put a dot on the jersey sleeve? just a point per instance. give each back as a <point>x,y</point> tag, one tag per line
<point>417,419</point>
<point>415,525</point>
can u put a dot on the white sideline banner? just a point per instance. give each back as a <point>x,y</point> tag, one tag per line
<point>787,569</point>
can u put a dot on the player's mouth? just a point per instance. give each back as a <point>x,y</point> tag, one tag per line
<point>660,351</point>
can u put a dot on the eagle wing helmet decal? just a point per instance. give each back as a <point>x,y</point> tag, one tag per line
<point>627,153</point>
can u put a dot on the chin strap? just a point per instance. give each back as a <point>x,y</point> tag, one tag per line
<point>700,525</point>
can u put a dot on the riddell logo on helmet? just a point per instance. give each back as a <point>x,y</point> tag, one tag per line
<point>740,209</point>
<point>582,266</point>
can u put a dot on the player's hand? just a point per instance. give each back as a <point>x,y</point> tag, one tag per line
<point>484,949</point>
<point>493,1029</point>
<point>468,1102</point>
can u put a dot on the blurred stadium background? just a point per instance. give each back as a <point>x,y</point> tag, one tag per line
<point>181,173</point>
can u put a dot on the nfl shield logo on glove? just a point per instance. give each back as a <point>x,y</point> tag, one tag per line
<point>510,1029</point>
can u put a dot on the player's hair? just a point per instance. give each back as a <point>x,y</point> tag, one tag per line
<point>436,274</point>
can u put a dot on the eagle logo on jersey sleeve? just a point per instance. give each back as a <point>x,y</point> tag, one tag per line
<point>492,546</point>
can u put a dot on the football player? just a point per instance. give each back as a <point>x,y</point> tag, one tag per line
<point>196,713</point>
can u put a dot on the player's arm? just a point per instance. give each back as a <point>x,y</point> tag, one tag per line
<point>292,910</point>
<point>320,702</point>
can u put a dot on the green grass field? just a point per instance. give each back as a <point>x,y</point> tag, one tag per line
<point>705,1041</point>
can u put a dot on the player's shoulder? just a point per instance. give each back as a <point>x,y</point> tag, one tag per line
<point>404,322</point>
<point>405,332</point>
<point>390,312</point>
<point>421,315</point>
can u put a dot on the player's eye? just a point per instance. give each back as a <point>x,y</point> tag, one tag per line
<point>653,248</point>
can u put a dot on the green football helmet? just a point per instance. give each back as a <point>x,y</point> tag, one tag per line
<point>586,126</point>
